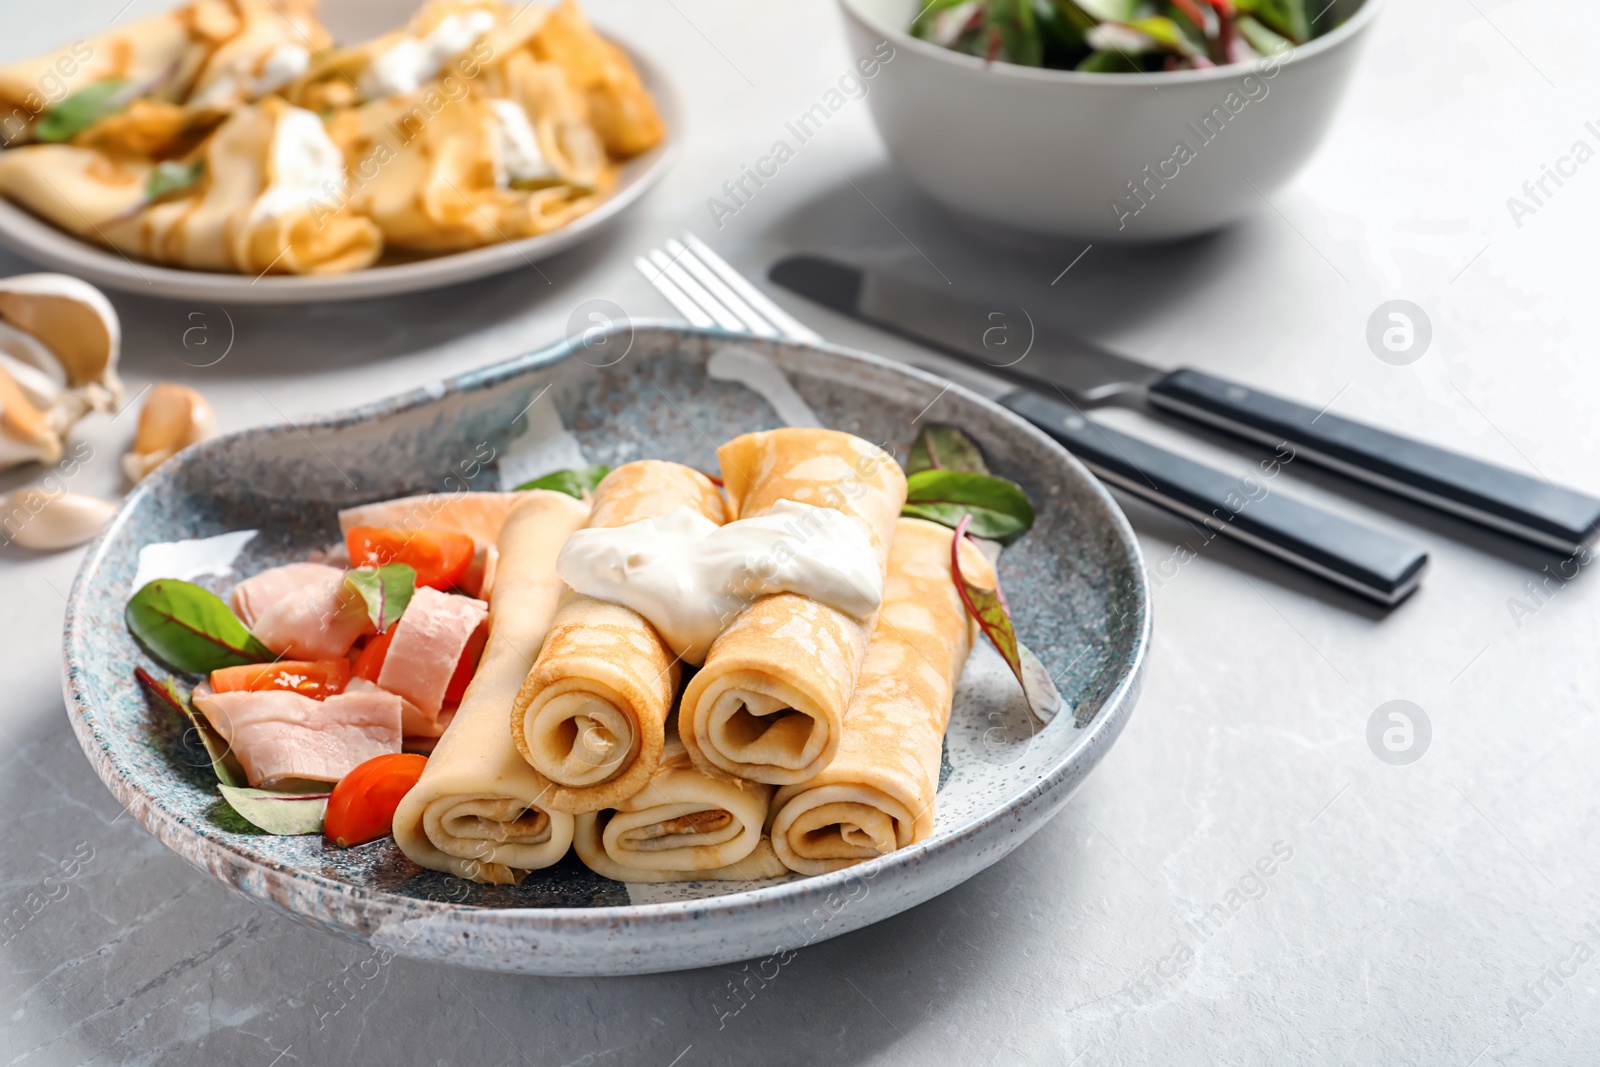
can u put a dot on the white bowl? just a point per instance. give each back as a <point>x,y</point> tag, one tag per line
<point>1064,153</point>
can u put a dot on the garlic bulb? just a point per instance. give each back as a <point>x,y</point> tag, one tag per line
<point>59,342</point>
<point>174,417</point>
<point>48,522</point>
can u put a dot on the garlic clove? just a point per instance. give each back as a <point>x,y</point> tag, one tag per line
<point>173,418</point>
<point>76,322</point>
<point>49,522</point>
<point>27,433</point>
<point>34,367</point>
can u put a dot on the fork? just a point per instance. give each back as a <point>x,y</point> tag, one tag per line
<point>711,294</point>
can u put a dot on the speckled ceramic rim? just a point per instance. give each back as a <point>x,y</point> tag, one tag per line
<point>37,240</point>
<point>1151,80</point>
<point>283,887</point>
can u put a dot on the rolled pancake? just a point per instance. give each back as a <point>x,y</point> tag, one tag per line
<point>685,824</point>
<point>878,793</point>
<point>591,715</point>
<point>478,810</point>
<point>769,702</point>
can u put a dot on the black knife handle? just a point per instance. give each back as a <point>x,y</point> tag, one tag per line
<point>1252,511</point>
<point>1504,500</point>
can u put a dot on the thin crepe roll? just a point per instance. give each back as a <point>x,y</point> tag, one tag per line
<point>769,703</point>
<point>591,715</point>
<point>479,810</point>
<point>878,793</point>
<point>685,824</point>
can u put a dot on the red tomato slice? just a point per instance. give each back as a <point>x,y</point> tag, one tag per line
<point>317,679</point>
<point>361,807</point>
<point>370,663</point>
<point>466,667</point>
<point>440,559</point>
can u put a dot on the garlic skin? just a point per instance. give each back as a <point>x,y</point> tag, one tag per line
<point>173,418</point>
<point>59,343</point>
<point>50,522</point>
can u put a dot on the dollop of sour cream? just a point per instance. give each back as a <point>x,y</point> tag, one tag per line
<point>519,157</point>
<point>306,167</point>
<point>406,64</point>
<point>690,577</point>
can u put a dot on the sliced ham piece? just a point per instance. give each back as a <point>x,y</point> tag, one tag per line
<point>420,730</point>
<point>428,642</point>
<point>477,515</point>
<point>277,734</point>
<point>302,610</point>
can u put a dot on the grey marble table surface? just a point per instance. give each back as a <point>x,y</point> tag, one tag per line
<point>1444,911</point>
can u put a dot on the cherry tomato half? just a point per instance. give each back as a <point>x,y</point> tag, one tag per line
<point>369,664</point>
<point>466,666</point>
<point>361,807</point>
<point>317,679</point>
<point>440,559</point>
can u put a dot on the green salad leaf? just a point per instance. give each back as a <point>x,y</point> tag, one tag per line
<point>223,763</point>
<point>993,615</point>
<point>997,508</point>
<point>80,110</point>
<point>282,814</point>
<point>190,629</point>
<point>943,447</point>
<point>170,176</point>
<point>386,589</point>
<point>575,481</point>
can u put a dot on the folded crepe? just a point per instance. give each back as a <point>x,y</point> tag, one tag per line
<point>440,174</point>
<point>264,197</point>
<point>685,824</point>
<point>620,108</point>
<point>878,793</point>
<point>769,703</point>
<point>591,715</point>
<point>479,810</point>
<point>444,43</point>
<point>140,54</point>
<point>172,74</point>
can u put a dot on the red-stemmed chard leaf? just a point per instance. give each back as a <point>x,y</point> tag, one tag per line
<point>190,629</point>
<point>223,763</point>
<point>386,589</point>
<point>989,608</point>
<point>283,814</point>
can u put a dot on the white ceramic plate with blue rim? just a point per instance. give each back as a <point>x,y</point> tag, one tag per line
<point>33,238</point>
<point>1075,582</point>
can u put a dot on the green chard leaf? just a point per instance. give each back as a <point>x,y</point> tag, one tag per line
<point>190,629</point>
<point>1262,39</point>
<point>993,614</point>
<point>998,509</point>
<point>575,481</point>
<point>223,763</point>
<point>282,814</point>
<point>943,447</point>
<point>80,110</point>
<point>386,589</point>
<point>170,176</point>
<point>1284,17</point>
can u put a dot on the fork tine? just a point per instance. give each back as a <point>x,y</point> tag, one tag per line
<point>774,314</point>
<point>675,296</point>
<point>696,292</point>
<point>719,289</point>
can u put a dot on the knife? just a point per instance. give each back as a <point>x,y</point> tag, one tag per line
<point>1374,564</point>
<point>1504,500</point>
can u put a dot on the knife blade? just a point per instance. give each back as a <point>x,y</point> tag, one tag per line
<point>1000,337</point>
<point>1369,562</point>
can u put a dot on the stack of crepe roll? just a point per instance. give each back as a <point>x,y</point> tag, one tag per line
<point>234,136</point>
<point>807,740</point>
